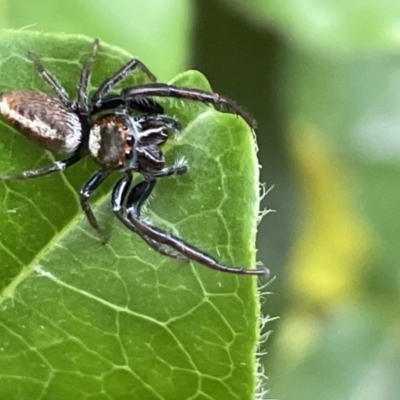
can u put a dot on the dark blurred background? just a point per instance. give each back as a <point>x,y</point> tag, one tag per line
<point>322,78</point>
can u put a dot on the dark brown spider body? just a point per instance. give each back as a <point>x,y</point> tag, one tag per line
<point>119,141</point>
<point>111,142</point>
<point>43,120</point>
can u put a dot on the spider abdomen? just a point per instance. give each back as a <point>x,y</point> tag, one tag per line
<point>42,119</point>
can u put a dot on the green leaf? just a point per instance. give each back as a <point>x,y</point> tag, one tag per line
<point>81,320</point>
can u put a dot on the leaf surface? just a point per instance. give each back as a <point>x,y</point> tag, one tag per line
<point>85,321</point>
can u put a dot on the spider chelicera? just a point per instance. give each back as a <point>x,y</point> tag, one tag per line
<point>122,132</point>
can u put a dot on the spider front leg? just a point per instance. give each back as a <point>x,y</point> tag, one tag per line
<point>87,190</point>
<point>47,170</point>
<point>51,81</point>
<point>133,93</point>
<point>163,120</point>
<point>83,105</point>
<point>135,200</point>
<point>137,197</point>
<point>120,75</point>
<point>141,104</point>
<point>179,168</point>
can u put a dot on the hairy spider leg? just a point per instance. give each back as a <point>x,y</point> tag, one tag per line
<point>83,105</point>
<point>136,198</point>
<point>118,196</point>
<point>51,81</point>
<point>102,101</point>
<point>119,76</point>
<point>179,168</point>
<point>86,192</point>
<point>165,90</point>
<point>141,104</point>
<point>97,103</point>
<point>49,169</point>
<point>165,120</point>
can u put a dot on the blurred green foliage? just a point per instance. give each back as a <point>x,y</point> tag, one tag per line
<point>322,78</point>
<point>157,31</point>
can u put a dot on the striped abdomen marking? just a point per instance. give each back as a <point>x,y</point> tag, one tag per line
<point>42,119</point>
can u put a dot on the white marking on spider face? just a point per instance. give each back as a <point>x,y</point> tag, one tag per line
<point>94,140</point>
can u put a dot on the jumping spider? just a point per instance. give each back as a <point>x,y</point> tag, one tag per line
<point>122,132</point>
